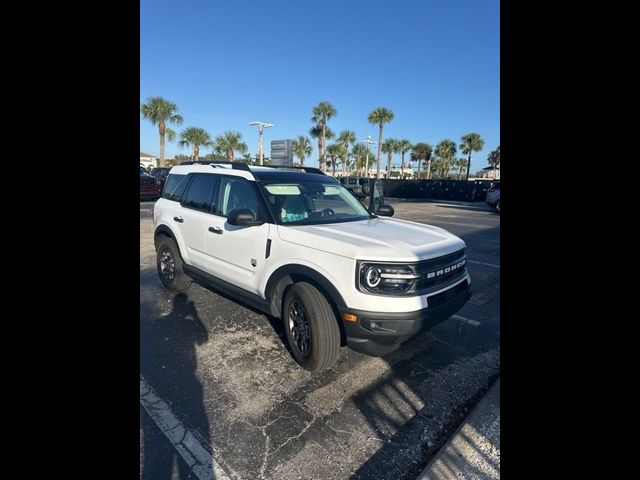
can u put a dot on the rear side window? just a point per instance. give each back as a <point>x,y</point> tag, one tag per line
<point>199,196</point>
<point>174,187</point>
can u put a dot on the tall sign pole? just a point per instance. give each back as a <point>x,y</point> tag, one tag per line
<point>261,126</point>
<point>368,141</point>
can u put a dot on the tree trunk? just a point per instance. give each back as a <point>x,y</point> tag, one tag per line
<point>419,165</point>
<point>379,147</point>
<point>196,152</point>
<point>323,152</point>
<point>468,165</point>
<point>334,166</point>
<point>429,169</point>
<point>161,129</point>
<point>389,164</point>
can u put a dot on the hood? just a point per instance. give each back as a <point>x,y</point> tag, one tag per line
<point>380,239</point>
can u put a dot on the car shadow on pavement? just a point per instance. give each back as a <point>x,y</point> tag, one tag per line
<point>168,364</point>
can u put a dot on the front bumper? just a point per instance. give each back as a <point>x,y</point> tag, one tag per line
<point>380,333</point>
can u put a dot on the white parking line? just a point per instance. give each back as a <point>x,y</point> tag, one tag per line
<point>454,205</point>
<point>186,443</point>
<point>466,320</point>
<point>487,264</point>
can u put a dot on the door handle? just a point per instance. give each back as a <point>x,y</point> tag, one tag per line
<point>178,219</point>
<point>217,230</point>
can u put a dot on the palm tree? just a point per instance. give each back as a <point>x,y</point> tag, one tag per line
<point>359,153</point>
<point>334,150</point>
<point>494,158</point>
<point>321,113</point>
<point>404,145</point>
<point>346,138</point>
<point>229,143</point>
<point>195,137</point>
<point>246,158</point>
<point>471,142</point>
<point>390,146</point>
<point>316,132</point>
<point>301,148</point>
<point>160,111</point>
<point>446,152</point>
<point>380,116</point>
<point>421,152</point>
<point>461,163</point>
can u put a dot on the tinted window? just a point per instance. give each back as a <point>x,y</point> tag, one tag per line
<point>200,193</point>
<point>236,193</point>
<point>174,187</point>
<point>496,186</point>
<point>352,181</point>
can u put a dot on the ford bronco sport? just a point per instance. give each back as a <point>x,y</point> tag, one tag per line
<point>296,245</point>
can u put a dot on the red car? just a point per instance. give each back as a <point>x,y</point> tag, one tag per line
<point>150,186</point>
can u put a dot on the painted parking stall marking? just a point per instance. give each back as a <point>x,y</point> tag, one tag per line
<point>188,445</point>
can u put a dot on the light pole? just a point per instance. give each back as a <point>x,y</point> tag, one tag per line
<point>368,141</point>
<point>261,126</point>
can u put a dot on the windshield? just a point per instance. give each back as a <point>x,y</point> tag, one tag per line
<point>312,203</point>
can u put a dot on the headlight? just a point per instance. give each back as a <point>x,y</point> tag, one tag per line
<point>386,278</point>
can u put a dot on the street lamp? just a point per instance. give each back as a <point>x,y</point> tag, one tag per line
<point>368,141</point>
<point>261,126</point>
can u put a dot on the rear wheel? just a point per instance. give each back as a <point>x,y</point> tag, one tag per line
<point>311,327</point>
<point>169,265</point>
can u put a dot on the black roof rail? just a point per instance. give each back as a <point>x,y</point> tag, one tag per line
<point>306,169</point>
<point>215,163</point>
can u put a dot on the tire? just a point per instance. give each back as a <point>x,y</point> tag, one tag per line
<point>498,206</point>
<point>169,264</point>
<point>311,327</point>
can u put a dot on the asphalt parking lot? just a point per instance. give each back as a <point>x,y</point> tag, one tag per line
<point>220,384</point>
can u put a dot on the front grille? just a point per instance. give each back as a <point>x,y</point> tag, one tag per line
<point>447,295</point>
<point>434,271</point>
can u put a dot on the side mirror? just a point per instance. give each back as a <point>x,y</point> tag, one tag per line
<point>243,217</point>
<point>385,211</point>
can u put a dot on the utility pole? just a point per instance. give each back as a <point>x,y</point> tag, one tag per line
<point>261,126</point>
<point>368,141</point>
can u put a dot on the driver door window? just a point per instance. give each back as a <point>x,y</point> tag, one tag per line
<point>237,193</point>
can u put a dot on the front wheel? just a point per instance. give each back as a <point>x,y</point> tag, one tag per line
<point>311,327</point>
<point>169,265</point>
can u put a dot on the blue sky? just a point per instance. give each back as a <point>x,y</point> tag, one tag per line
<point>434,63</point>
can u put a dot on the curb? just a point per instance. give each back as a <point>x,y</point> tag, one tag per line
<point>473,452</point>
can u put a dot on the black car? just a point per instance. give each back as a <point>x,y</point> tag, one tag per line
<point>161,174</point>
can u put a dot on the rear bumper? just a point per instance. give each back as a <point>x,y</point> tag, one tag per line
<point>380,333</point>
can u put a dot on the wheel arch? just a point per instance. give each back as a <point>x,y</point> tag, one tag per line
<point>284,277</point>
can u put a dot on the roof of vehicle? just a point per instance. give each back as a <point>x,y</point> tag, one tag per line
<point>251,172</point>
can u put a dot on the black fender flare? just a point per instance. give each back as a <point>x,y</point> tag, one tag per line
<point>287,275</point>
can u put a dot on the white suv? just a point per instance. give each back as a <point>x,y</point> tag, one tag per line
<point>300,247</point>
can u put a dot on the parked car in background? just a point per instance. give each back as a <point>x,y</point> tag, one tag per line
<point>161,174</point>
<point>150,187</point>
<point>358,185</point>
<point>493,196</point>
